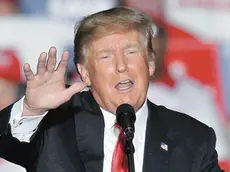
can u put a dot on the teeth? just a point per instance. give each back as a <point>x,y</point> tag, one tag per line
<point>124,88</point>
<point>124,82</point>
<point>124,85</point>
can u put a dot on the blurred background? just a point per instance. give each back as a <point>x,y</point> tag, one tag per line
<point>192,46</point>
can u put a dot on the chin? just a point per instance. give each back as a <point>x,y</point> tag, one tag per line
<point>130,100</point>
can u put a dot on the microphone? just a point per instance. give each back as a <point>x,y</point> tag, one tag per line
<point>126,118</point>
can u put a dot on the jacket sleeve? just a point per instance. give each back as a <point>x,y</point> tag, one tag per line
<point>11,149</point>
<point>210,160</point>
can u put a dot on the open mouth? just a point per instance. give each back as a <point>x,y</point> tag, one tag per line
<point>124,85</point>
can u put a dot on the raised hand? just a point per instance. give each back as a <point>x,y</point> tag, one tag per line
<point>46,89</point>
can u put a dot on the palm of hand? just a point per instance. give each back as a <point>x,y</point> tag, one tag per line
<point>46,89</point>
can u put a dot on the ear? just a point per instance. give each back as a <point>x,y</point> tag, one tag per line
<point>84,74</point>
<point>151,67</point>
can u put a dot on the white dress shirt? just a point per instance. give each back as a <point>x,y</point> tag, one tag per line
<point>24,127</point>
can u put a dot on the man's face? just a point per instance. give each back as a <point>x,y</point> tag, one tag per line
<point>118,70</point>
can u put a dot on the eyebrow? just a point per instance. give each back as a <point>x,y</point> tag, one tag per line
<point>103,51</point>
<point>131,45</point>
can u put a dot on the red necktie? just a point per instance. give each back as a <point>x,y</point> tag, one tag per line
<point>119,162</point>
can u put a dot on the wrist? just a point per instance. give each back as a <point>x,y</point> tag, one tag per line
<point>29,111</point>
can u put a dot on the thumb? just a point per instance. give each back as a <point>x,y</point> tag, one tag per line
<point>74,88</point>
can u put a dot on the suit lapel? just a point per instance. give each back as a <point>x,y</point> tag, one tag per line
<point>89,127</point>
<point>59,151</point>
<point>157,145</point>
<point>67,135</point>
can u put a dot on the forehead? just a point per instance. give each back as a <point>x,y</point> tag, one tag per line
<point>117,40</point>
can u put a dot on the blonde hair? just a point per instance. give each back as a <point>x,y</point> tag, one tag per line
<point>108,22</point>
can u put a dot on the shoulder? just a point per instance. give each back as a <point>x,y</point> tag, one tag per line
<point>188,136</point>
<point>182,124</point>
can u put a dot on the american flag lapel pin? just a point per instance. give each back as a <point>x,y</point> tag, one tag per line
<point>164,146</point>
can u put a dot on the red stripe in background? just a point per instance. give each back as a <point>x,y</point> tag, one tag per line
<point>200,60</point>
<point>225,166</point>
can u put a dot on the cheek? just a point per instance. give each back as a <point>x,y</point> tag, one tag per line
<point>103,66</point>
<point>142,74</point>
<point>98,70</point>
<point>101,76</point>
<point>140,66</point>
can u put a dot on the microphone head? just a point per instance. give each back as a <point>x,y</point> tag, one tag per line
<point>125,110</point>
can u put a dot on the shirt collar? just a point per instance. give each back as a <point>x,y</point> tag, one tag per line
<point>110,119</point>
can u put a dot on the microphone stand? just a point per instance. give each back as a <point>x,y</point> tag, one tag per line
<point>126,118</point>
<point>129,150</point>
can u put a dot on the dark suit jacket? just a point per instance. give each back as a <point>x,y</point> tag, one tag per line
<point>70,139</point>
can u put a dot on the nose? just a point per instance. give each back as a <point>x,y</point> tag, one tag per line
<point>121,65</point>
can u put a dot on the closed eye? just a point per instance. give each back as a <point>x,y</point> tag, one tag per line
<point>132,52</point>
<point>105,57</point>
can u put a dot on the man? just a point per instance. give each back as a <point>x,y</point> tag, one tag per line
<point>77,132</point>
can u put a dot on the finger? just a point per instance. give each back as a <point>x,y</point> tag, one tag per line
<point>28,72</point>
<point>52,59</point>
<point>62,66</point>
<point>41,66</point>
<point>74,88</point>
